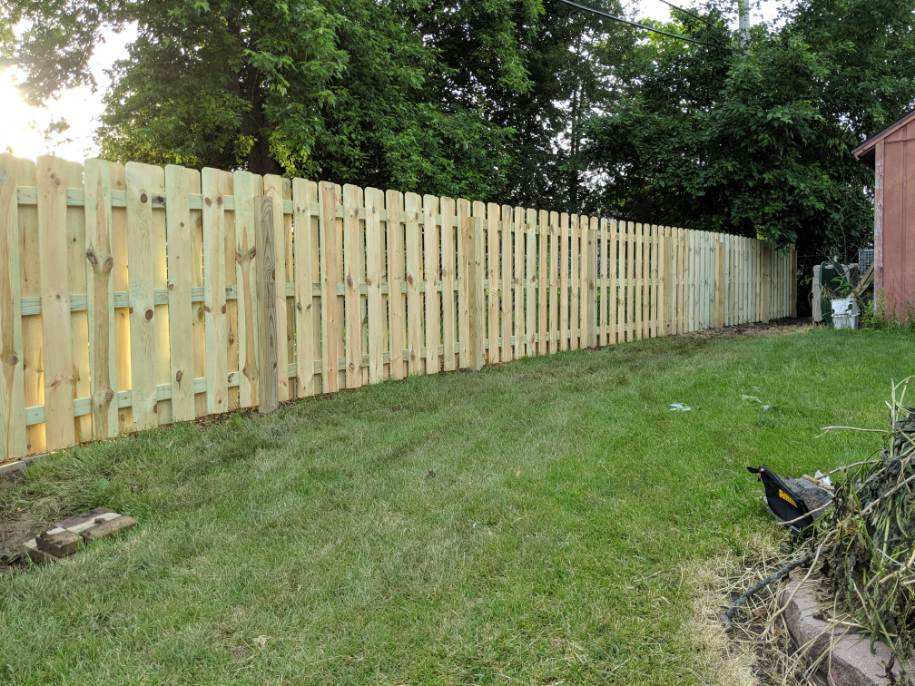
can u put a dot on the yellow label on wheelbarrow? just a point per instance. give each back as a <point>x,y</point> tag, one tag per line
<point>787,498</point>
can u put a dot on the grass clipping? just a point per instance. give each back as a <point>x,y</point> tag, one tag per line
<point>864,549</point>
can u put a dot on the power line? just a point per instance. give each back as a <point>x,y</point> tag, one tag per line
<point>634,24</point>
<point>689,13</point>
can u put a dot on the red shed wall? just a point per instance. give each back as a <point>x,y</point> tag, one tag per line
<point>898,225</point>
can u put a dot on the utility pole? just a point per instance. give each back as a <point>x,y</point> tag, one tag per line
<point>743,12</point>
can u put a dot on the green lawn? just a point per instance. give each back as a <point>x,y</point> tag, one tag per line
<point>525,524</point>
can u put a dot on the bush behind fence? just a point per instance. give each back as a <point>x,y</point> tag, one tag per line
<point>133,296</point>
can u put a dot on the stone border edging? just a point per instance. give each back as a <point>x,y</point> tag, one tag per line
<point>849,660</point>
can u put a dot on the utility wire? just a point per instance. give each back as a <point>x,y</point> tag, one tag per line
<point>633,24</point>
<point>689,13</point>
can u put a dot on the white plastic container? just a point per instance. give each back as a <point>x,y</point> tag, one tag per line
<point>845,313</point>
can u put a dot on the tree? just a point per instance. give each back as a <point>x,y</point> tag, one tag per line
<point>341,89</point>
<point>757,141</point>
<point>534,71</point>
<point>487,99</point>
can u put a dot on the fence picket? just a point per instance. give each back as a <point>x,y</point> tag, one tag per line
<point>178,185</point>
<point>530,283</point>
<point>247,186</point>
<point>274,191</point>
<point>412,209</point>
<point>543,229</point>
<point>613,336</point>
<point>13,433</point>
<point>100,299</point>
<point>553,257</point>
<point>518,280</point>
<point>564,267</point>
<point>602,295</point>
<point>267,305</point>
<point>374,273</point>
<point>142,182</point>
<point>574,281</point>
<point>331,311</point>
<point>472,248</point>
<point>433,300</point>
<point>353,261</point>
<point>464,287</point>
<point>304,194</point>
<point>652,252</point>
<point>505,285</point>
<point>396,282</point>
<point>450,327</point>
<point>55,305</point>
<point>493,277</point>
<point>216,330</point>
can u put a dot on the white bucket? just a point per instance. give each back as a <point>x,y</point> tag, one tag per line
<point>845,313</point>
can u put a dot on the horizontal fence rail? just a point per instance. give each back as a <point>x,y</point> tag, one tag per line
<point>133,296</point>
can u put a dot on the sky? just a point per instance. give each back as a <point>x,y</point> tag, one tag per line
<point>22,126</point>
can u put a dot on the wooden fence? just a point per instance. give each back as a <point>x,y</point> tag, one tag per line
<point>133,296</point>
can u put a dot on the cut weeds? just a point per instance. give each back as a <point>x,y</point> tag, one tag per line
<point>529,523</point>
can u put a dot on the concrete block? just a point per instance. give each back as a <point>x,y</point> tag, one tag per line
<point>849,659</point>
<point>60,543</point>
<point>108,527</point>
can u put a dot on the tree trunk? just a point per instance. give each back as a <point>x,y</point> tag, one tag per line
<point>260,161</point>
<point>574,148</point>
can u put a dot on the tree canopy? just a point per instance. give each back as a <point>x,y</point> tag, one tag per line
<point>758,141</point>
<point>522,101</point>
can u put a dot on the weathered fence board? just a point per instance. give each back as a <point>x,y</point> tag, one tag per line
<point>214,185</point>
<point>267,325</point>
<point>396,282</point>
<point>133,296</point>
<point>247,187</point>
<point>13,435</point>
<point>100,298</point>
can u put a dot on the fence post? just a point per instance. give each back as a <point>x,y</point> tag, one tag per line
<point>472,242</point>
<point>265,268</point>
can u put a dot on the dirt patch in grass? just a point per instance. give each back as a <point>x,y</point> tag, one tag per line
<point>16,527</point>
<point>722,657</point>
<point>756,646</point>
<point>13,533</point>
<point>778,327</point>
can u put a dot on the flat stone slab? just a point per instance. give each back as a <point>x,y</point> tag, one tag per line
<point>65,537</point>
<point>59,544</point>
<point>848,659</point>
<point>109,527</point>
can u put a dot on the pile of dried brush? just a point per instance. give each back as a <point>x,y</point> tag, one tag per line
<point>866,548</point>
